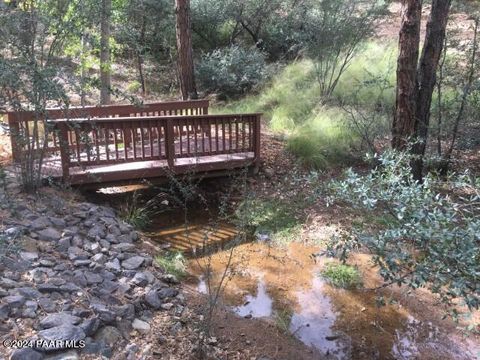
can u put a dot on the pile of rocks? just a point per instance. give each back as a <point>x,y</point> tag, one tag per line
<point>78,274</point>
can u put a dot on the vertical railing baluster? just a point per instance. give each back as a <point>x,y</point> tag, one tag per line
<point>216,135</point>
<point>149,122</point>
<point>170,145</point>
<point>134,140</point>
<point>64,151</point>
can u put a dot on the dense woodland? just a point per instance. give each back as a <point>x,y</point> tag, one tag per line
<point>376,103</point>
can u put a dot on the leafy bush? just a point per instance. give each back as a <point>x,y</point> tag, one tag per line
<point>231,71</point>
<point>433,239</point>
<point>341,275</point>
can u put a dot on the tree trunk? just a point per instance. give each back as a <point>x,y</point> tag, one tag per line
<point>184,48</point>
<point>105,75</point>
<point>408,49</point>
<point>415,86</point>
<point>427,72</point>
<point>140,53</point>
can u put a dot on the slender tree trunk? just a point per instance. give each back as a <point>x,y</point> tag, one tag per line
<point>184,48</point>
<point>105,75</point>
<point>427,76</point>
<point>415,86</point>
<point>408,49</point>
<point>140,52</point>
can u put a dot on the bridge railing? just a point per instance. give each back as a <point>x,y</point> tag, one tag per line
<point>104,141</point>
<point>30,131</point>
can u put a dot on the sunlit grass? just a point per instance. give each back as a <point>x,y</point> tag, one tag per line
<point>314,127</point>
<point>341,275</point>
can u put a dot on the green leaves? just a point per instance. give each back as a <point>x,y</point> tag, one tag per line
<point>434,243</point>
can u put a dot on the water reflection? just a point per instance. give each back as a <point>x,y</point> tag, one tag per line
<point>259,305</point>
<point>313,323</point>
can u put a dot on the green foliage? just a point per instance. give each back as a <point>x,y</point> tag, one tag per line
<point>274,218</point>
<point>173,263</point>
<point>138,214</point>
<point>433,239</point>
<point>322,141</point>
<point>231,71</point>
<point>334,32</point>
<point>341,275</point>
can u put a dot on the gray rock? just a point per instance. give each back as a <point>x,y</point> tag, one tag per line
<point>141,326</point>
<point>99,258</point>
<point>75,253</point>
<point>47,305</point>
<point>66,332</point>
<point>48,288</point>
<point>47,263</point>
<point>79,278</point>
<point>49,234</point>
<point>125,238</point>
<point>92,278</point>
<point>133,263</point>
<point>40,223</point>
<point>69,355</point>
<point>28,293</point>
<point>37,275</point>
<point>14,300</point>
<point>79,263</point>
<point>58,222</point>
<point>167,293</point>
<point>104,313</point>
<point>124,247</point>
<point>64,243</point>
<point>4,311</point>
<point>126,311</point>
<point>140,279</point>
<point>28,256</point>
<point>58,319</point>
<point>113,265</point>
<point>26,354</point>
<point>98,231</point>
<point>90,326</point>
<point>109,335</point>
<point>152,299</point>
<point>166,306</point>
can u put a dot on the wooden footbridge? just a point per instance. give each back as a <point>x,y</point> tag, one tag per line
<point>123,143</point>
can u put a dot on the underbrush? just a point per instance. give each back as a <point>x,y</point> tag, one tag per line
<point>319,130</point>
<point>434,236</point>
<point>342,275</point>
<point>323,140</point>
<point>173,263</point>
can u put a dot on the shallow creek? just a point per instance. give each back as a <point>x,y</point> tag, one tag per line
<point>283,285</point>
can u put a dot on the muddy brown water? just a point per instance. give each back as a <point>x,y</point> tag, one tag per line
<point>284,285</point>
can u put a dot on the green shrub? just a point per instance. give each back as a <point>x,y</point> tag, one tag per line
<point>341,275</point>
<point>432,239</point>
<point>173,263</point>
<point>231,71</point>
<point>137,214</point>
<point>322,141</point>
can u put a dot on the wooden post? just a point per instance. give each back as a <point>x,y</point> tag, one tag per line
<point>64,151</point>
<point>170,144</point>
<point>14,127</point>
<point>257,132</point>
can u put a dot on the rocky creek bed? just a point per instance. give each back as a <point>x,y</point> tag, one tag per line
<point>73,271</point>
